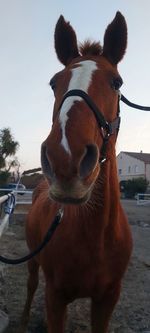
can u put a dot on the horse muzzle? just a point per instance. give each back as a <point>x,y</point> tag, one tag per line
<point>74,194</point>
<point>71,180</point>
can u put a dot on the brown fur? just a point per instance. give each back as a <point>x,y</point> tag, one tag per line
<point>90,48</point>
<point>89,252</point>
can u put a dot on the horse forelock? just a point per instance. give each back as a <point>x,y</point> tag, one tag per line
<point>90,48</point>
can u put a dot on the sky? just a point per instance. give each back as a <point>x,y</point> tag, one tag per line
<point>28,61</point>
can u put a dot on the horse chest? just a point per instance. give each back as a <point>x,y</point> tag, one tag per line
<point>78,270</point>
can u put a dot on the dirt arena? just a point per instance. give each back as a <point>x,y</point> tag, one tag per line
<point>132,314</point>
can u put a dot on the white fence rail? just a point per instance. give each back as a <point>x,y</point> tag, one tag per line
<point>8,202</point>
<point>4,222</point>
<point>4,198</point>
<point>143,199</point>
<point>27,196</point>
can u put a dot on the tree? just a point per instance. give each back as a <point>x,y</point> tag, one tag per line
<point>8,148</point>
<point>133,186</point>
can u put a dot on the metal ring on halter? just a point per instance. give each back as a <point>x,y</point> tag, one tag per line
<point>119,94</point>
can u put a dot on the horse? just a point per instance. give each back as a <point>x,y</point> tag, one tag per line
<point>90,250</point>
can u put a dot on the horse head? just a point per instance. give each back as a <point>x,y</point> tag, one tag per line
<point>86,101</point>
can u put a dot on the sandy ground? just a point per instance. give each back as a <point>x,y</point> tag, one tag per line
<point>132,313</point>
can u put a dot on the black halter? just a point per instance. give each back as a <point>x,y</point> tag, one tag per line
<point>106,127</point>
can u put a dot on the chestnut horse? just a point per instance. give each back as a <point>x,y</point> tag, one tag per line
<point>90,250</point>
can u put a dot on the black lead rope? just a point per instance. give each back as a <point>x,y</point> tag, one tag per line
<point>46,239</point>
<point>133,105</point>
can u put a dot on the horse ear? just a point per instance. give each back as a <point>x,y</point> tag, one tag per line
<point>65,41</point>
<point>115,39</point>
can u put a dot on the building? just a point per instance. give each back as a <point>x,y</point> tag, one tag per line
<point>133,165</point>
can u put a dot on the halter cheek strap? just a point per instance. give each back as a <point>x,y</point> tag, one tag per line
<point>106,127</point>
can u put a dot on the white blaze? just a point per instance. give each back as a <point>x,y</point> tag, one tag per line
<point>81,79</point>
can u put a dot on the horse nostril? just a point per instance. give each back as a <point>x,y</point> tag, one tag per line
<point>46,165</point>
<point>89,160</point>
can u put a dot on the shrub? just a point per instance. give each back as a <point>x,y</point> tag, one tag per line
<point>133,186</point>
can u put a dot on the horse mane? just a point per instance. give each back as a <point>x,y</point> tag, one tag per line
<point>90,48</point>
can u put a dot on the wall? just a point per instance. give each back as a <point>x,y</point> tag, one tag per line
<point>129,167</point>
<point>148,172</point>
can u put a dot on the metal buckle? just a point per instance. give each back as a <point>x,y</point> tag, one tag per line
<point>103,160</point>
<point>60,212</point>
<point>109,129</point>
<point>119,94</point>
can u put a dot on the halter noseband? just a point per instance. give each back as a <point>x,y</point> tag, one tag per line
<point>105,126</point>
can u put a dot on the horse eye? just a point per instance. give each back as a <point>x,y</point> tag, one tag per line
<point>116,83</point>
<point>53,84</point>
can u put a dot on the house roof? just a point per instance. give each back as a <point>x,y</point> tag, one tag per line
<point>145,157</point>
